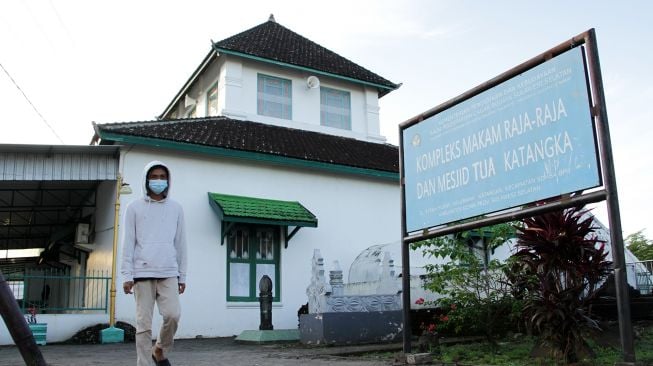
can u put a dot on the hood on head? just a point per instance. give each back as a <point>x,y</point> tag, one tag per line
<point>146,169</point>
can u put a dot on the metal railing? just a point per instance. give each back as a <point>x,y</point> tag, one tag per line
<point>643,275</point>
<point>60,292</point>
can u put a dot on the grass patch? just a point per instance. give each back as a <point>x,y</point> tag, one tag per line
<point>518,352</point>
<point>507,353</point>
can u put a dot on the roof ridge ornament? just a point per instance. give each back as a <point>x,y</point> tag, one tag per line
<point>271,18</point>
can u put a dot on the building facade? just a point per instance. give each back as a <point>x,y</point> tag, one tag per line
<point>274,150</point>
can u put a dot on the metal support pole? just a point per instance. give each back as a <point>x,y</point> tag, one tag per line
<point>405,258</point>
<point>405,294</point>
<point>614,217</point>
<point>116,215</point>
<point>17,326</point>
<point>113,334</point>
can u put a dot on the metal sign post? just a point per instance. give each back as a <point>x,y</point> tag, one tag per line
<point>614,216</point>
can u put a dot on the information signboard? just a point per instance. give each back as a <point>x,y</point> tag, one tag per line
<point>524,140</point>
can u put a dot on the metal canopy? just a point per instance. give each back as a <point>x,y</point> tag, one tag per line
<point>240,209</point>
<point>46,190</point>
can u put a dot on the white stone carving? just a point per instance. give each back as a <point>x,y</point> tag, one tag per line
<point>317,289</point>
<point>380,294</point>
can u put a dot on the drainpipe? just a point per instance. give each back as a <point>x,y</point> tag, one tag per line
<point>113,334</point>
<point>116,216</point>
<point>18,327</point>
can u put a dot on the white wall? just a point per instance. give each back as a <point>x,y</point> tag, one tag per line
<point>305,101</point>
<point>353,213</point>
<point>60,326</point>
<point>237,97</point>
<point>199,88</point>
<point>100,257</point>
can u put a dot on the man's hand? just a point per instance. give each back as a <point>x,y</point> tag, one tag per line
<point>182,288</point>
<point>128,286</point>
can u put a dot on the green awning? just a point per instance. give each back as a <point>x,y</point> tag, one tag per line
<point>261,211</point>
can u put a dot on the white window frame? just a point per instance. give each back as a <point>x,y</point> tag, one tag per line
<point>241,254</point>
<point>212,89</point>
<point>335,108</point>
<point>274,96</point>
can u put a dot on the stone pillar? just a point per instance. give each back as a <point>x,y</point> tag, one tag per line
<point>265,299</point>
<point>335,280</point>
<point>388,282</point>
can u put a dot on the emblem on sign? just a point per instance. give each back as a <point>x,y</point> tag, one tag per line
<point>417,139</point>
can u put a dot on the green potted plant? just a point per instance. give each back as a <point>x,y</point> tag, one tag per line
<point>39,330</point>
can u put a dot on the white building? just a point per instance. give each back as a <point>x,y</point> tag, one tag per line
<point>274,150</point>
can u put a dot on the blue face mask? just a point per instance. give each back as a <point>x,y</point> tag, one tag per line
<point>157,185</point>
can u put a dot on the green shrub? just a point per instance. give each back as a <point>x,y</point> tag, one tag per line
<point>476,292</point>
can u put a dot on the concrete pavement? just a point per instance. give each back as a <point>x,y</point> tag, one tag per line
<point>206,351</point>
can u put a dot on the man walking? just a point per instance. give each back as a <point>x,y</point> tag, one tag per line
<point>154,262</point>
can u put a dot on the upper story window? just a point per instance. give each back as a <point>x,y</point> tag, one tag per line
<point>212,101</point>
<point>274,97</point>
<point>335,108</point>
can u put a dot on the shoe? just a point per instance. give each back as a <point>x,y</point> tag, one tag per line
<point>163,362</point>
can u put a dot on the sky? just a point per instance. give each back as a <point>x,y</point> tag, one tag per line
<point>66,64</point>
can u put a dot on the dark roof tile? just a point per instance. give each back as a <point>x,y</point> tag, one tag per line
<point>223,132</point>
<point>273,41</point>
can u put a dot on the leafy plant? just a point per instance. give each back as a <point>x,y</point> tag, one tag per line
<point>473,284</point>
<point>564,263</point>
<point>433,325</point>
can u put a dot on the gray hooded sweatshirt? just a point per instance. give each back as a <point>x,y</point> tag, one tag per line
<point>154,238</point>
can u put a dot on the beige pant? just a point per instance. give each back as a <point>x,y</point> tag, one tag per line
<point>165,292</point>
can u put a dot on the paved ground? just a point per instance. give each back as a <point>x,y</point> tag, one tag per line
<point>201,352</point>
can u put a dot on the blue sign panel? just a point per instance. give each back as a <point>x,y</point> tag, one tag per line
<point>527,139</point>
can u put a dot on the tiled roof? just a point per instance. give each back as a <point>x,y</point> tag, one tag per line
<point>241,209</point>
<point>275,42</point>
<point>246,136</point>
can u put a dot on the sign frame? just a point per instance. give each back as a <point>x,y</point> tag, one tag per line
<point>525,140</point>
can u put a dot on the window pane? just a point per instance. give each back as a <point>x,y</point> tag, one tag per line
<point>248,259</point>
<point>238,244</point>
<point>335,108</point>
<point>265,245</point>
<point>17,288</point>
<point>212,101</point>
<point>274,97</point>
<point>239,279</point>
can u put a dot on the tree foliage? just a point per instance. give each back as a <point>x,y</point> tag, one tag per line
<point>477,288</point>
<point>640,245</point>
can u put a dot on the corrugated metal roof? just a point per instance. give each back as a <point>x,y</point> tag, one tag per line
<point>46,189</point>
<point>58,162</point>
